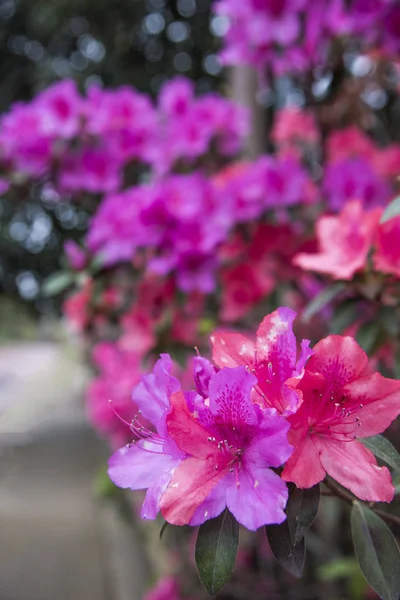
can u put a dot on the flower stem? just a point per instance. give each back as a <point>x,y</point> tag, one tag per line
<point>349,498</point>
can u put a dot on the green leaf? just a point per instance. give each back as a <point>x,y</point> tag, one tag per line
<point>383,449</point>
<point>216,549</point>
<point>56,283</point>
<point>301,510</point>
<point>376,551</point>
<point>391,211</point>
<point>289,555</point>
<point>339,568</point>
<point>367,336</point>
<point>344,316</point>
<point>396,483</point>
<point>321,300</point>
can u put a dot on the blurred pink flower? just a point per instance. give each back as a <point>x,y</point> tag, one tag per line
<point>344,240</point>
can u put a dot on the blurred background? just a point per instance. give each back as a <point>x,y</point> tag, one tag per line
<point>57,540</point>
<point>61,537</point>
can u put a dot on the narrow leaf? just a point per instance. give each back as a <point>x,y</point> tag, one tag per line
<point>391,211</point>
<point>289,555</point>
<point>321,300</point>
<point>301,510</point>
<point>376,551</point>
<point>216,549</point>
<point>57,283</point>
<point>383,449</point>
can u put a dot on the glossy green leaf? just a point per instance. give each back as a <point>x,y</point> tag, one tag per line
<point>383,449</point>
<point>216,549</point>
<point>376,551</point>
<point>321,300</point>
<point>289,555</point>
<point>301,510</point>
<point>391,211</point>
<point>57,283</point>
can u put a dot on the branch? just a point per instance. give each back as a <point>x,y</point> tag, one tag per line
<point>349,498</point>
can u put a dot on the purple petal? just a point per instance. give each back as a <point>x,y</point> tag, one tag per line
<point>203,370</point>
<point>269,447</point>
<point>230,399</point>
<point>213,505</point>
<point>150,507</point>
<point>257,498</point>
<point>305,354</point>
<point>138,468</point>
<point>276,359</point>
<point>152,394</point>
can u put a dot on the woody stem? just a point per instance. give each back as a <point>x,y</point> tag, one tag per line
<point>347,497</point>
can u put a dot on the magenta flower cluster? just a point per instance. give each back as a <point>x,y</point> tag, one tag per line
<point>85,143</point>
<point>296,35</point>
<point>183,219</point>
<point>260,405</point>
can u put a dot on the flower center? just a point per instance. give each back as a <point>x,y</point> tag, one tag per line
<point>335,419</point>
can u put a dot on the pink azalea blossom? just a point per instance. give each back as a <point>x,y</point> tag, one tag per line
<point>350,142</point>
<point>387,255</point>
<point>230,445</point>
<point>76,307</point>
<point>119,370</point>
<point>345,241</point>
<point>273,358</point>
<point>341,402</point>
<point>244,285</point>
<point>294,128</point>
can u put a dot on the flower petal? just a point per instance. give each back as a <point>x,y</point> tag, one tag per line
<point>230,401</point>
<point>355,467</point>
<point>191,483</point>
<point>186,431</point>
<point>304,467</point>
<point>276,359</point>
<point>212,506</point>
<point>231,349</point>
<point>152,394</point>
<point>339,359</point>
<point>136,468</point>
<point>380,398</point>
<point>270,446</point>
<point>257,498</point>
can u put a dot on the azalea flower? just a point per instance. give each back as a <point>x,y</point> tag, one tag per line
<point>345,241</point>
<point>272,358</point>
<point>230,443</point>
<point>341,402</point>
<point>149,461</point>
<point>387,256</point>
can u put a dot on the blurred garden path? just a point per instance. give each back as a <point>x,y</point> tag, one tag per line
<point>57,540</point>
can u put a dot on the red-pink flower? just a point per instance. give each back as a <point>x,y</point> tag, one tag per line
<point>345,241</point>
<point>341,402</point>
<point>350,142</point>
<point>294,127</point>
<point>273,358</point>
<point>387,256</point>
<point>243,286</point>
